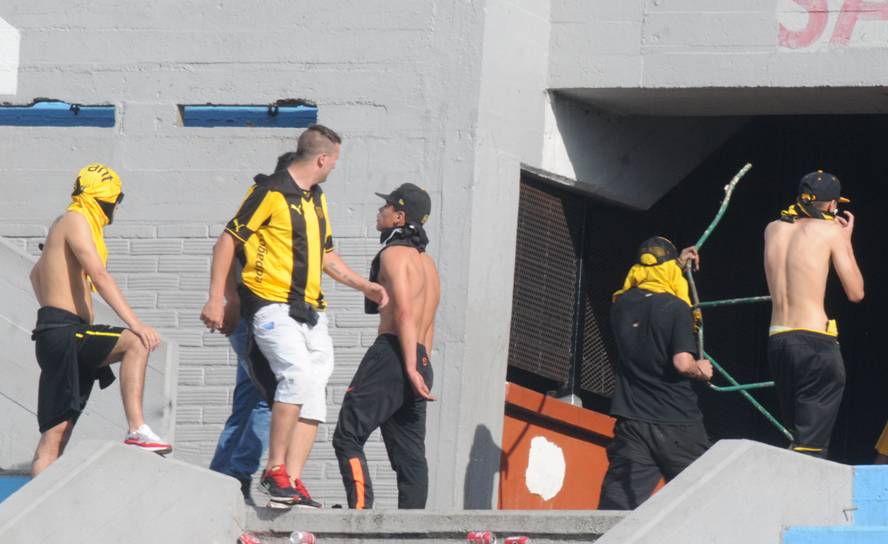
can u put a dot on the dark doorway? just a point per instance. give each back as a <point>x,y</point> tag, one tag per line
<point>595,243</point>
<point>782,149</point>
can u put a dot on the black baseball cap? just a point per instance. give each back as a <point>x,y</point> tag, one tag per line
<point>411,200</point>
<point>656,250</point>
<point>821,186</point>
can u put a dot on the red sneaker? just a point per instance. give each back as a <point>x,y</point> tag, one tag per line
<point>144,438</point>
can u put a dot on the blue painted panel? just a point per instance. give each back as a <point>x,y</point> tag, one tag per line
<point>11,484</point>
<point>870,493</point>
<point>840,534</point>
<point>249,116</point>
<point>57,114</point>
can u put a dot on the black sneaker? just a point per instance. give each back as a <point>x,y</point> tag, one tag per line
<point>302,497</point>
<point>276,483</point>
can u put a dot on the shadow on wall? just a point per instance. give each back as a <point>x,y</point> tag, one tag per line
<point>484,465</point>
<point>631,159</point>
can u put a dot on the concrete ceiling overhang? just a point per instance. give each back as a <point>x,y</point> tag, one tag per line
<point>732,101</point>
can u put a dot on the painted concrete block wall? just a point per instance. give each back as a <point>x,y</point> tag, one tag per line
<point>717,43</point>
<point>399,81</point>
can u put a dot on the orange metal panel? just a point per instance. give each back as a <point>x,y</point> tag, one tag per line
<point>581,436</point>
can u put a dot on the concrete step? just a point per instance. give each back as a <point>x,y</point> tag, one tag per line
<point>107,492</point>
<point>333,526</point>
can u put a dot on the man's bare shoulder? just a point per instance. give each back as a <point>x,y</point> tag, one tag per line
<point>69,222</point>
<point>396,254</point>
<point>429,262</point>
<point>775,227</point>
<point>822,229</point>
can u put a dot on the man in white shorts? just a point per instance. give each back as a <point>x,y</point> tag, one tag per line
<point>284,227</point>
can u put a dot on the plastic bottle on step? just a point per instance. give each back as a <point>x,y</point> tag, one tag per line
<point>302,537</point>
<point>516,540</point>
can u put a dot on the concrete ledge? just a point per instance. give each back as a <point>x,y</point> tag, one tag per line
<point>108,492</point>
<point>346,526</point>
<point>741,491</point>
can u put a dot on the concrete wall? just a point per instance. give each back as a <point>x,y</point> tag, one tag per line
<point>419,91</point>
<point>485,208</point>
<point>450,95</point>
<point>627,158</point>
<point>716,43</point>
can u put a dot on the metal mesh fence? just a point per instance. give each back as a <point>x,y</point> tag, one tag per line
<point>546,284</point>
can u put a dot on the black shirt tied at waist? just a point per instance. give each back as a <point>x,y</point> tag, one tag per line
<point>52,319</point>
<point>300,310</point>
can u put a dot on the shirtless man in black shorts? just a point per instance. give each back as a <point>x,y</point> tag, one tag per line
<point>803,346</point>
<point>392,384</point>
<point>71,351</point>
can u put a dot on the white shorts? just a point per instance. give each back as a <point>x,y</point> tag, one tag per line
<point>300,356</point>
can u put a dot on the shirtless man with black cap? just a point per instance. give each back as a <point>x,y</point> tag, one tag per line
<point>392,384</point>
<point>803,347</point>
<point>73,352</point>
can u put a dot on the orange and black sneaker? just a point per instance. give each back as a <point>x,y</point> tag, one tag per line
<point>302,496</point>
<point>276,483</point>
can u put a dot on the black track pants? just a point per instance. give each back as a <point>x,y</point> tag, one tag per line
<point>641,454</point>
<point>381,396</point>
<point>809,375</point>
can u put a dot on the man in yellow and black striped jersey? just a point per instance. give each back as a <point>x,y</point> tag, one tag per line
<point>284,229</point>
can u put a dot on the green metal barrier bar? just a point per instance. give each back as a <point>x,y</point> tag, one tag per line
<point>695,300</point>
<point>750,398</point>
<point>729,189</point>
<point>732,388</point>
<point>732,301</point>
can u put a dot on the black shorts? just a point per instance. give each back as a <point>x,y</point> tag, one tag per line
<point>70,353</point>
<point>809,376</point>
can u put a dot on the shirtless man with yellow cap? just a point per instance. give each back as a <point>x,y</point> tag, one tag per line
<point>803,346</point>
<point>71,351</point>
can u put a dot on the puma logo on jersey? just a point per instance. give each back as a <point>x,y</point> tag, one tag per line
<point>298,208</point>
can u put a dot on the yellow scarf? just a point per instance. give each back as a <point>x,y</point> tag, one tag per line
<point>803,208</point>
<point>661,278</point>
<point>89,208</point>
<point>95,182</point>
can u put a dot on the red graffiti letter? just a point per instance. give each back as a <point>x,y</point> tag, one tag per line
<point>852,10</point>
<point>818,14</point>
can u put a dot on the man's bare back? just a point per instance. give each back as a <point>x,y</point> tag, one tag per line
<point>424,292</point>
<point>797,259</point>
<point>58,278</point>
<point>411,279</point>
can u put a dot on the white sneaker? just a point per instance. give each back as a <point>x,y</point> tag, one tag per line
<point>144,438</point>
